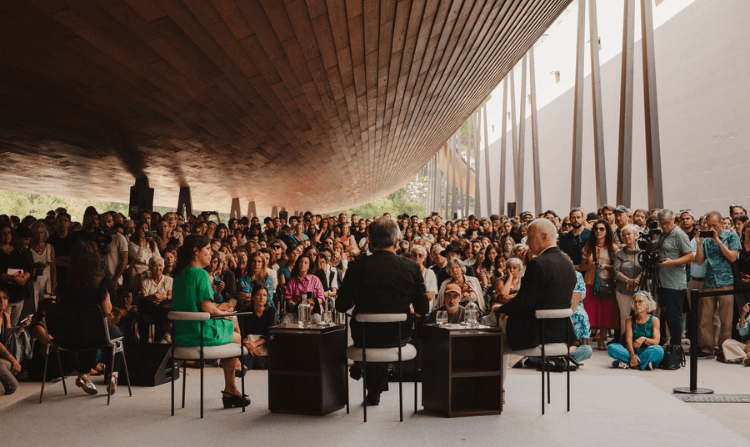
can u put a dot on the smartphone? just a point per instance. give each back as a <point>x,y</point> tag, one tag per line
<point>28,317</point>
<point>706,233</point>
<point>744,275</point>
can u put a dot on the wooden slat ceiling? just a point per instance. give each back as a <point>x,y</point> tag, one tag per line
<point>306,104</point>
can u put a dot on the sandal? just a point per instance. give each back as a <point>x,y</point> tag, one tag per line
<point>232,400</point>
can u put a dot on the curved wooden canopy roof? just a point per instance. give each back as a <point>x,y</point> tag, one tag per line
<point>306,104</point>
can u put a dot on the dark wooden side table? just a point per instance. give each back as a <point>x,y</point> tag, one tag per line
<point>307,369</point>
<point>462,374</point>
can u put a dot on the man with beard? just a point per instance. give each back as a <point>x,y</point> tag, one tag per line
<point>687,223</point>
<point>456,312</point>
<point>573,241</point>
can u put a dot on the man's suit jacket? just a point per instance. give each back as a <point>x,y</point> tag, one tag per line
<point>382,283</point>
<point>547,284</point>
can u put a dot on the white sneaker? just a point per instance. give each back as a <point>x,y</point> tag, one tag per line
<point>650,366</point>
<point>87,386</point>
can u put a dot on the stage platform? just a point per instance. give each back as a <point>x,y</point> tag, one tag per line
<point>609,406</point>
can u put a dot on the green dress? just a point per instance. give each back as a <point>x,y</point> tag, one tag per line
<point>192,287</point>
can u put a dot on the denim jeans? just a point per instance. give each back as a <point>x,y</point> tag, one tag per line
<point>653,354</point>
<point>670,306</point>
<point>8,382</point>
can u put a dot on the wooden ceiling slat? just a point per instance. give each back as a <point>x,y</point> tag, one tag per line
<point>344,89</point>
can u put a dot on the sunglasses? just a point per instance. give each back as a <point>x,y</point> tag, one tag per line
<point>600,229</point>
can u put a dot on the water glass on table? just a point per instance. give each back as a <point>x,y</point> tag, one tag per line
<point>441,317</point>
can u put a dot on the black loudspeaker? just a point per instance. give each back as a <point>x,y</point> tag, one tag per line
<point>284,215</point>
<point>512,209</point>
<point>148,364</point>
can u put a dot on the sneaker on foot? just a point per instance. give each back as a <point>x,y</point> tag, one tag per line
<point>746,362</point>
<point>650,366</point>
<point>705,355</point>
<point>87,386</point>
<point>619,364</point>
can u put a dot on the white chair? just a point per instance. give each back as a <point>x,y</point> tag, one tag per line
<point>202,353</point>
<point>550,350</point>
<point>382,355</point>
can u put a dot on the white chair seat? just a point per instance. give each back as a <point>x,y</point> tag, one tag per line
<point>209,352</point>
<point>382,355</point>
<point>550,350</point>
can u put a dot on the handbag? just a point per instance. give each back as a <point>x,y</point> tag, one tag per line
<point>674,357</point>
<point>603,288</point>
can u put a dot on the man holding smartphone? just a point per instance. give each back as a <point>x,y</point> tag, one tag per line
<point>717,249</point>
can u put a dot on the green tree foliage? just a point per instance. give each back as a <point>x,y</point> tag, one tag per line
<point>396,203</point>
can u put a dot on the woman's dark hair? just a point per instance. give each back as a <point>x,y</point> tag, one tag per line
<point>295,270</point>
<point>86,265</point>
<point>135,237</point>
<point>609,240</point>
<point>186,253</point>
<point>487,264</point>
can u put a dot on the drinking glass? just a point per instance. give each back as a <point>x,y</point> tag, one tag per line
<point>442,317</point>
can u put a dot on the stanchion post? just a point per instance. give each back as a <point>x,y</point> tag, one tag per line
<point>695,297</point>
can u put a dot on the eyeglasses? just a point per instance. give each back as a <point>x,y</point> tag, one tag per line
<point>276,247</point>
<point>639,302</point>
<point>600,229</point>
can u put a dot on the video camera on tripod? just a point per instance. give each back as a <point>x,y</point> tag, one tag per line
<point>649,254</point>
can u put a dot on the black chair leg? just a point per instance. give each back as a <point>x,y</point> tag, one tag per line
<point>172,360</point>
<point>127,373</point>
<point>416,380</point>
<point>568,364</point>
<point>243,382</point>
<point>184,378</point>
<point>44,375</point>
<point>202,366</point>
<point>543,362</point>
<point>111,375</point>
<point>62,373</point>
<point>548,393</point>
<point>400,391</point>
<point>364,387</point>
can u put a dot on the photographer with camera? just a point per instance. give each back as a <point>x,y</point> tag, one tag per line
<point>674,253</point>
<point>717,249</point>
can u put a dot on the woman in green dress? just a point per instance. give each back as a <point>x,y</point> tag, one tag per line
<point>192,292</point>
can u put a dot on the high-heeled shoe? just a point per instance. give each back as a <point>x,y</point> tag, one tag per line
<point>240,372</point>
<point>233,401</point>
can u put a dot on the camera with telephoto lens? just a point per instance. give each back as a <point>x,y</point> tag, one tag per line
<point>102,238</point>
<point>649,254</point>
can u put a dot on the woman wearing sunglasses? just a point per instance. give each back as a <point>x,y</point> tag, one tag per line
<point>598,267</point>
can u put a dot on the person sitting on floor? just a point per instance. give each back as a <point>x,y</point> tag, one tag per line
<point>641,348</point>
<point>456,312</point>
<point>735,351</point>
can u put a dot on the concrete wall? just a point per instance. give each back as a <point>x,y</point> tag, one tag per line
<point>703,74</point>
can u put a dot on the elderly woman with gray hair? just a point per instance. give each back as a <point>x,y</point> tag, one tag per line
<point>470,286</point>
<point>627,271</point>
<point>155,302</point>
<point>508,285</point>
<point>641,349</point>
<point>418,254</point>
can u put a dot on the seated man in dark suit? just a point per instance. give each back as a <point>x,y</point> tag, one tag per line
<point>381,283</point>
<point>456,312</point>
<point>548,284</point>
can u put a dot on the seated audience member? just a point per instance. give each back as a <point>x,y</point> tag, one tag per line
<point>86,286</point>
<point>469,285</point>
<point>9,365</point>
<point>140,249</point>
<point>256,274</point>
<point>418,254</point>
<point>330,277</point>
<point>15,272</point>
<point>507,287</point>
<point>192,292</point>
<point>456,312</point>
<point>302,282</point>
<point>256,329</point>
<point>735,351</point>
<point>452,251</point>
<point>641,348</point>
<point>155,302</point>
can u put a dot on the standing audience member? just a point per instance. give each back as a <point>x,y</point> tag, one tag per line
<point>675,252</point>
<point>718,253</point>
<point>44,261</point>
<point>598,263</point>
<point>627,272</point>
<point>572,242</point>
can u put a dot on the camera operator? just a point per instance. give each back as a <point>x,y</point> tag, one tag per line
<point>717,249</point>
<point>674,253</point>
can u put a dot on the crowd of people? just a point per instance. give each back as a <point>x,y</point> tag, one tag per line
<point>632,269</point>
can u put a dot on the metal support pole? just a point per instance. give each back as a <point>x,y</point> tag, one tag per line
<point>487,183</point>
<point>514,133</point>
<point>185,202</point>
<point>596,88</point>
<point>477,188</point>
<point>576,171</point>
<point>535,136</point>
<point>653,148</point>
<point>625,140</point>
<point>503,145</point>
<point>235,209</point>
<point>454,200</point>
<point>469,139</point>
<point>521,136</point>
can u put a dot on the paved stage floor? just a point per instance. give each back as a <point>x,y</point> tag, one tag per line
<point>609,406</point>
